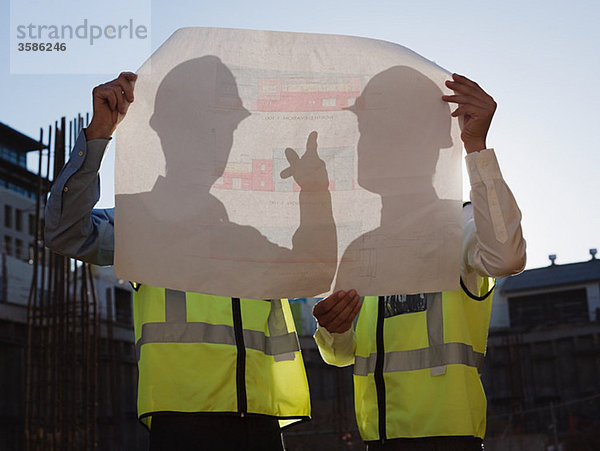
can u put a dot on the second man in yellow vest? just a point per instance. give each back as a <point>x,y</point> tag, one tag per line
<point>416,356</point>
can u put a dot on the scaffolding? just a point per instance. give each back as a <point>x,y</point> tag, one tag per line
<point>62,330</point>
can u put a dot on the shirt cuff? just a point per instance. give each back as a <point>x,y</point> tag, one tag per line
<point>329,338</point>
<point>93,152</point>
<point>482,166</point>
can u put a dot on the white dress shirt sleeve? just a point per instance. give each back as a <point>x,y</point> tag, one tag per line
<point>493,244</point>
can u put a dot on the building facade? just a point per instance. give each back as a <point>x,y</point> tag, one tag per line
<point>115,415</point>
<point>543,358</point>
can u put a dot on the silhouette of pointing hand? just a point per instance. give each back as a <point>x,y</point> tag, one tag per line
<point>309,171</point>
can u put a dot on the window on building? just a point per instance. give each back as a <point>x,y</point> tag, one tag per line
<point>8,250</point>
<point>123,306</point>
<point>13,156</point>
<point>568,306</point>
<point>9,155</point>
<point>19,219</point>
<point>17,189</point>
<point>8,216</point>
<point>19,248</point>
<point>31,224</point>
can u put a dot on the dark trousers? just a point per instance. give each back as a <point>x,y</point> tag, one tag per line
<point>174,432</point>
<point>429,444</point>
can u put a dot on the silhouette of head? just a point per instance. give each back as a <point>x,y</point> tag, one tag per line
<point>400,112</point>
<point>196,110</point>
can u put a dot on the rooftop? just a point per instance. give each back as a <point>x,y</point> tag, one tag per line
<point>15,140</point>
<point>553,275</point>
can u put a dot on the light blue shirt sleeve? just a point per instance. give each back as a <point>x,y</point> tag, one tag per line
<point>73,227</point>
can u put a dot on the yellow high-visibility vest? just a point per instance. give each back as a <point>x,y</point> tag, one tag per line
<point>418,357</point>
<point>199,353</point>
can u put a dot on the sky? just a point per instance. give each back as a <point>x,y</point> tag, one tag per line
<point>540,61</point>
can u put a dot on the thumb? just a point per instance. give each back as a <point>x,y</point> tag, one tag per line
<point>292,158</point>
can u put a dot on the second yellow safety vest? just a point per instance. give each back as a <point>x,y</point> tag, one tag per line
<point>418,357</point>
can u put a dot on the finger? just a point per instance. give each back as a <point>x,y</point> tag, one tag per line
<point>320,307</point>
<point>108,93</point>
<point>291,155</point>
<point>326,304</point>
<point>460,111</point>
<point>464,80</point>
<point>126,87</point>
<point>345,313</point>
<point>465,99</point>
<point>327,318</point>
<point>343,320</point>
<point>311,143</point>
<point>129,76</point>
<point>286,173</point>
<point>357,308</point>
<point>477,98</point>
<point>344,326</point>
<point>120,96</point>
<point>292,158</point>
<point>469,87</point>
<point>109,96</point>
<point>470,110</point>
<point>462,89</point>
<point>352,309</point>
<point>331,316</point>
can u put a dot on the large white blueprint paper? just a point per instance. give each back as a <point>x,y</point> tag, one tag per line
<point>267,164</point>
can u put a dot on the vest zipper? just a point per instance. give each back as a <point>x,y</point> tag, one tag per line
<point>241,357</point>
<point>379,382</point>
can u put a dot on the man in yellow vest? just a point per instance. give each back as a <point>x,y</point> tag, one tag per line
<point>214,372</point>
<point>417,357</point>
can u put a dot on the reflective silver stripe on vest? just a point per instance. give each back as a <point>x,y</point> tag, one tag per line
<point>176,329</point>
<point>282,347</point>
<point>435,319</point>
<point>175,306</point>
<point>435,328</point>
<point>277,328</point>
<point>418,359</point>
<point>197,332</point>
<point>435,357</point>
